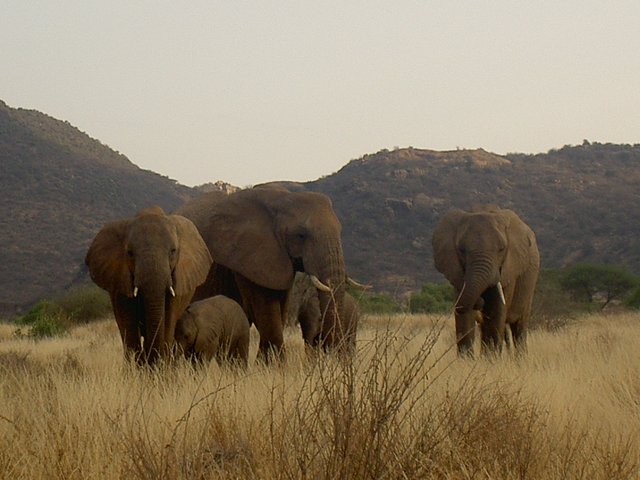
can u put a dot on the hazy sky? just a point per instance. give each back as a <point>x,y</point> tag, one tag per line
<point>249,92</point>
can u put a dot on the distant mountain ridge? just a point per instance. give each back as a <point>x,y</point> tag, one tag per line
<point>59,186</point>
<point>582,202</point>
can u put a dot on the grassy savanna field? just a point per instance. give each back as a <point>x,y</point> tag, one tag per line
<point>405,407</point>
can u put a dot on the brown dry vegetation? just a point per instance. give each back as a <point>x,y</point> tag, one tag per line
<point>406,407</point>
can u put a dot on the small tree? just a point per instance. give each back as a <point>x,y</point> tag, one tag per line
<point>633,299</point>
<point>590,282</point>
<point>432,298</point>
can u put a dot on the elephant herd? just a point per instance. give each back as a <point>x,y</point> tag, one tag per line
<point>195,280</point>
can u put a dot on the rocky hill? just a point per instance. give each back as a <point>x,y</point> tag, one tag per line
<point>59,186</point>
<point>582,202</point>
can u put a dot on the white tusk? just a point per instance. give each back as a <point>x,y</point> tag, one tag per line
<point>135,291</point>
<point>172,291</point>
<point>355,284</point>
<point>501,292</point>
<point>318,284</point>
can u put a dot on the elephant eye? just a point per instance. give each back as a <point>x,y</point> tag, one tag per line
<point>299,234</point>
<point>130,253</point>
<point>172,252</point>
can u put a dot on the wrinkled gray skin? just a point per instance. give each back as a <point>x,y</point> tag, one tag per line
<point>214,327</point>
<point>151,265</point>
<point>476,251</point>
<point>305,310</point>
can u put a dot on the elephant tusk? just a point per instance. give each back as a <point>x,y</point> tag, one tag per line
<point>358,285</point>
<point>172,291</point>
<point>135,291</point>
<point>501,292</point>
<point>318,284</point>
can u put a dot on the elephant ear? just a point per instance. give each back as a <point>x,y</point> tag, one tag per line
<point>521,245</point>
<point>445,256</point>
<point>107,261</point>
<point>194,259</point>
<point>243,237</point>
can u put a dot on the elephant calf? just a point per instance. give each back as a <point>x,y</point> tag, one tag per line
<point>214,327</point>
<point>310,317</point>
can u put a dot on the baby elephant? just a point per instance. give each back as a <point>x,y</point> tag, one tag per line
<point>214,327</point>
<point>309,317</point>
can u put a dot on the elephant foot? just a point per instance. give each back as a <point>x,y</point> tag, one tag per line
<point>271,354</point>
<point>465,350</point>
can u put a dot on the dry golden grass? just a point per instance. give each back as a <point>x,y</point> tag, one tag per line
<point>405,407</point>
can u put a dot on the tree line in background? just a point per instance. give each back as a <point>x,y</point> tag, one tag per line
<point>560,295</point>
<point>560,292</point>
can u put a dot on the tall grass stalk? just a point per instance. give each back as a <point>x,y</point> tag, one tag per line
<point>403,407</point>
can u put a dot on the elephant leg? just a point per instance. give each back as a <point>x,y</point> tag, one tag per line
<point>520,310</point>
<point>519,332</point>
<point>465,332</point>
<point>493,322</point>
<point>175,308</point>
<point>220,281</point>
<point>269,324</point>
<point>124,310</point>
<point>212,350</point>
<point>239,351</point>
<point>507,336</point>
<point>309,326</point>
<point>264,307</point>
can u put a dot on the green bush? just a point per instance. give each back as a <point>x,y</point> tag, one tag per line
<point>45,319</point>
<point>44,308</point>
<point>432,298</point>
<point>378,303</point>
<point>633,299</point>
<point>49,318</point>
<point>48,326</point>
<point>85,303</point>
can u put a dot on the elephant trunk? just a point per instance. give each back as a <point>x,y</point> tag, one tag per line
<point>154,292</point>
<point>480,275</point>
<point>154,308</point>
<point>332,334</point>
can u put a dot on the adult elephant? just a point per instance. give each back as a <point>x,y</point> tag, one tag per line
<point>151,265</point>
<point>259,238</point>
<point>490,257</point>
